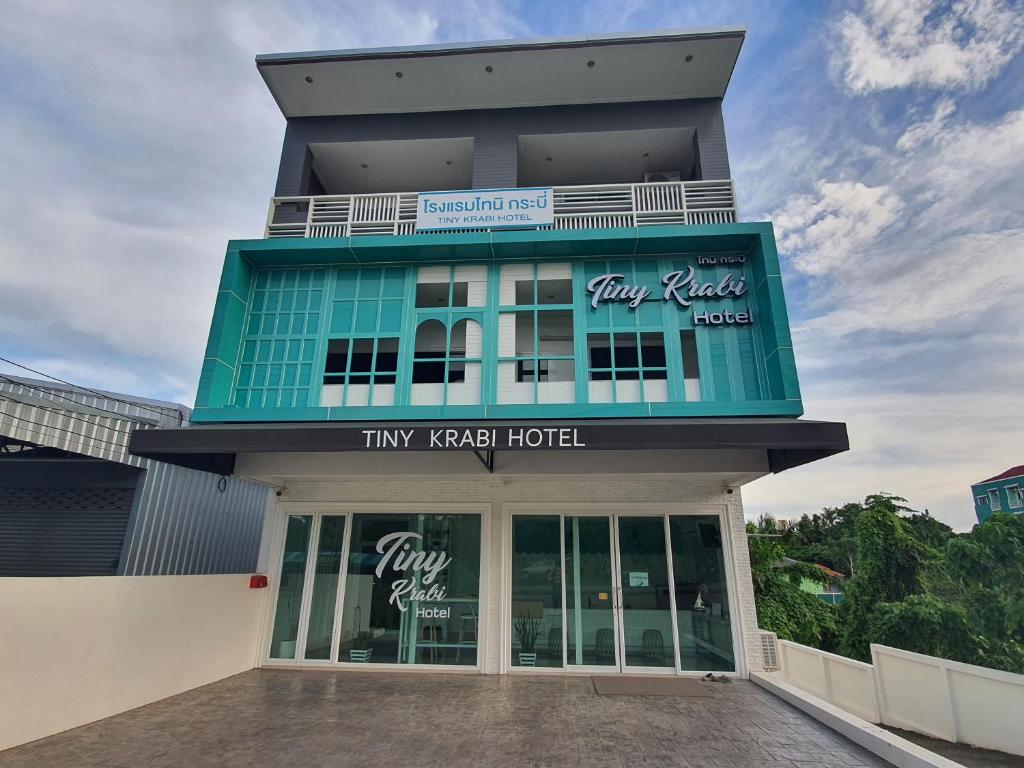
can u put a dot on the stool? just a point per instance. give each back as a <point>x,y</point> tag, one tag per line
<point>465,620</point>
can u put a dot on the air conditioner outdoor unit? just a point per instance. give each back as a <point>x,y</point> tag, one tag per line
<point>655,176</point>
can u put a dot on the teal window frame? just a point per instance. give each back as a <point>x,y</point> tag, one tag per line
<point>274,358</point>
<point>391,288</point>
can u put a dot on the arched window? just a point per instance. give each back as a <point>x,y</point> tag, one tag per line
<point>446,364</point>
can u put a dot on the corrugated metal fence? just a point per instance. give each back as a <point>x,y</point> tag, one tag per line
<point>181,521</point>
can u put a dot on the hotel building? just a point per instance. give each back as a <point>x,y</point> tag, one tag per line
<point>507,355</point>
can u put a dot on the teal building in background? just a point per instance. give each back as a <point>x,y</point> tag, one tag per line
<point>1002,493</point>
<point>506,353</point>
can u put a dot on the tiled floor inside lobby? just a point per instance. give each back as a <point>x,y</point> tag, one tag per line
<point>310,719</point>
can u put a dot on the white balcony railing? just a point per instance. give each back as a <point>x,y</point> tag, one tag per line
<point>577,207</point>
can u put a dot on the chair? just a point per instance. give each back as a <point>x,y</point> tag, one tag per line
<point>464,621</point>
<point>652,645</point>
<point>433,634</point>
<point>555,644</point>
<point>604,644</point>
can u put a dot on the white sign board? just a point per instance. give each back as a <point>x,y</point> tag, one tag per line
<point>485,208</point>
<point>638,579</point>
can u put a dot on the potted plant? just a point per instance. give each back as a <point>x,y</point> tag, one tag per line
<point>361,652</point>
<point>527,628</point>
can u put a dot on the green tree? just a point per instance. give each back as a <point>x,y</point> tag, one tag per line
<point>827,538</point>
<point>782,607</point>
<point>983,573</point>
<point>889,569</point>
<point>928,530</point>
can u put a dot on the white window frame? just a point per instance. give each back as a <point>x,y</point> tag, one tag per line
<point>993,500</point>
<point>1018,493</point>
<point>318,510</point>
<point>508,509</point>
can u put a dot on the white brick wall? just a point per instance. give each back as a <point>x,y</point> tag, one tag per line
<point>691,493</point>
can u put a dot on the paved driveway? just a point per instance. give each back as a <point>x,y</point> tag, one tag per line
<point>312,719</point>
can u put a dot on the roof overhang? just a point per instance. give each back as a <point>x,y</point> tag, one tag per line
<point>786,442</point>
<point>647,66</point>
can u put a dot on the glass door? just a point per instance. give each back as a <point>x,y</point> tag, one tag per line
<point>307,593</point>
<point>627,593</point>
<point>647,639</point>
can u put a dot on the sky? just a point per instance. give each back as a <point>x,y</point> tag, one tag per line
<point>884,139</point>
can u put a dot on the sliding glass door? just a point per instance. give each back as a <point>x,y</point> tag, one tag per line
<point>627,592</point>
<point>645,601</point>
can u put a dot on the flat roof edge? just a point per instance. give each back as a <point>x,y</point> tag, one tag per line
<point>495,46</point>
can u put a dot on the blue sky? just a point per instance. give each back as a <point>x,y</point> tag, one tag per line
<point>885,139</point>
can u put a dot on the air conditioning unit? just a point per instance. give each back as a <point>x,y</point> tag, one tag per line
<point>656,176</point>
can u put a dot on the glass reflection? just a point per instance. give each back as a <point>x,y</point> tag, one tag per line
<point>289,593</point>
<point>646,607</point>
<point>590,637</point>
<point>702,600</point>
<point>326,575</point>
<point>536,591</point>
<point>412,590</point>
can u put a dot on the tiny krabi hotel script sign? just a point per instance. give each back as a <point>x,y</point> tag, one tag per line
<point>480,208</point>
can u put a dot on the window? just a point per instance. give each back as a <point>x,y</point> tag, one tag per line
<point>536,591</point>
<point>702,598</point>
<point>447,364</point>
<point>691,366</point>
<point>993,497</point>
<point>360,371</point>
<point>412,590</point>
<point>440,287</point>
<point>627,367</point>
<point>1015,500</point>
<point>981,500</point>
<point>283,323</point>
<point>361,362</point>
<point>536,362</point>
<point>289,593</point>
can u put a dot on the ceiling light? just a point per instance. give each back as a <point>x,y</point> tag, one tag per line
<point>689,57</point>
<point>548,159</point>
<point>647,154</point>
<point>590,63</point>
<point>398,74</point>
<point>309,79</point>
<point>447,162</point>
<point>363,165</point>
<point>488,68</point>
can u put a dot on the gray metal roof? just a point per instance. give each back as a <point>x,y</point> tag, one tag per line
<point>591,69</point>
<point>535,43</point>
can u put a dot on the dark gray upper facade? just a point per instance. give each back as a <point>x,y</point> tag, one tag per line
<point>605,109</point>
<point>495,135</point>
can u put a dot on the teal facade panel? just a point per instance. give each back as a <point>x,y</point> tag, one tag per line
<point>333,329</point>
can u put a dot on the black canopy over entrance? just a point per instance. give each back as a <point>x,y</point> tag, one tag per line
<point>213,448</point>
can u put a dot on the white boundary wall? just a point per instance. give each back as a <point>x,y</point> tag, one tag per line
<point>77,649</point>
<point>847,683</point>
<point>937,697</point>
<point>950,700</point>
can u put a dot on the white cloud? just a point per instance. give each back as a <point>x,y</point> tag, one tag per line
<point>927,130</point>
<point>931,43</point>
<point>927,449</point>
<point>828,230</point>
<point>134,143</point>
<point>910,323</point>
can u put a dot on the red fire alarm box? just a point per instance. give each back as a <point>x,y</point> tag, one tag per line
<point>258,581</point>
